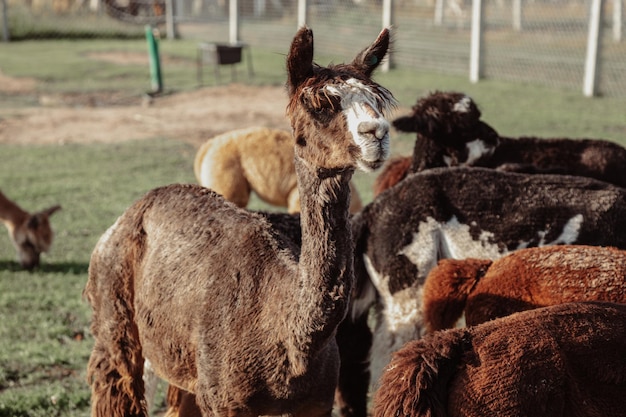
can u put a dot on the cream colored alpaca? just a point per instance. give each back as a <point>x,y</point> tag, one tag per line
<point>257,159</point>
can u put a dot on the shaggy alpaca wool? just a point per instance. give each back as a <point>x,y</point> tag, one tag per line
<point>559,361</point>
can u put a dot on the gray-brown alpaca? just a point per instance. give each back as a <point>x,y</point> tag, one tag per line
<point>484,289</point>
<point>223,305</point>
<point>30,233</point>
<point>559,361</point>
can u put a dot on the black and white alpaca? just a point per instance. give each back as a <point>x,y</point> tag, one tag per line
<point>450,132</point>
<point>466,213</point>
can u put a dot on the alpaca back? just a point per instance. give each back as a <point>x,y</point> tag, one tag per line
<point>538,277</point>
<point>256,159</point>
<point>133,261</point>
<point>556,361</point>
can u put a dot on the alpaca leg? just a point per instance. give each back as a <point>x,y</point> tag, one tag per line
<point>181,403</point>
<point>354,339</point>
<point>115,367</point>
<point>151,383</point>
<point>111,394</point>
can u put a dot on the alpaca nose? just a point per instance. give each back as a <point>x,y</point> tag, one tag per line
<point>376,130</point>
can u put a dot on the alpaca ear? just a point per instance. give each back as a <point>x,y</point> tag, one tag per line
<point>300,59</point>
<point>369,59</point>
<point>51,210</point>
<point>405,124</point>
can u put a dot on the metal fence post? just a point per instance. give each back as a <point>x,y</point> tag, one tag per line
<point>170,24</point>
<point>476,46</point>
<point>594,42</point>
<point>233,21</point>
<point>439,12</point>
<point>302,13</point>
<point>388,19</point>
<point>517,15</point>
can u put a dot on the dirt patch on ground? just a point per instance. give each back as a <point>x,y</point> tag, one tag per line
<point>192,116</point>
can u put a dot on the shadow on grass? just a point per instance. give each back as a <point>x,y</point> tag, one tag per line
<point>76,268</point>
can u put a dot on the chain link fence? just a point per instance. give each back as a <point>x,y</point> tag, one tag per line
<point>543,41</point>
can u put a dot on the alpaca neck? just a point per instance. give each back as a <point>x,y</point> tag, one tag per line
<point>426,154</point>
<point>325,267</point>
<point>11,214</point>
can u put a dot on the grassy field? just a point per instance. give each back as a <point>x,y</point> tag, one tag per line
<point>44,336</point>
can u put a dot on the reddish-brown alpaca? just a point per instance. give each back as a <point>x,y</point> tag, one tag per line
<point>558,361</point>
<point>223,305</point>
<point>525,279</point>
<point>30,233</point>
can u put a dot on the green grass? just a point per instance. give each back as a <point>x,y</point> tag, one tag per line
<point>44,337</point>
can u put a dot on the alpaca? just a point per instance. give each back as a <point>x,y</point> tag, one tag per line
<point>30,233</point>
<point>525,279</point>
<point>224,306</point>
<point>558,361</point>
<point>450,133</point>
<point>353,339</point>
<point>258,159</point>
<point>461,213</point>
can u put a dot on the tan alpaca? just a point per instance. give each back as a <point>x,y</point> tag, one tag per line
<point>30,233</point>
<point>258,159</point>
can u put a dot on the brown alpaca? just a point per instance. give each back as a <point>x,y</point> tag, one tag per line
<point>223,305</point>
<point>523,280</point>
<point>30,233</point>
<point>258,159</point>
<point>558,361</point>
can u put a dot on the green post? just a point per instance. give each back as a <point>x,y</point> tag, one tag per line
<point>155,61</point>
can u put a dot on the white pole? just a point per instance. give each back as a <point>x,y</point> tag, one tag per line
<point>439,12</point>
<point>517,15</point>
<point>302,13</point>
<point>170,24</point>
<point>233,22</point>
<point>476,42</point>
<point>590,83</point>
<point>387,23</point>
<point>617,20</point>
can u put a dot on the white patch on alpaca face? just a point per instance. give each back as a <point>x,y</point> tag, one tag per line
<point>366,122</point>
<point>477,149</point>
<point>463,105</point>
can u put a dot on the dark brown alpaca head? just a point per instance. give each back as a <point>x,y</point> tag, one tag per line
<point>450,118</point>
<point>338,109</point>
